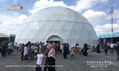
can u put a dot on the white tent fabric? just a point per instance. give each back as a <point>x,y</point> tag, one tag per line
<point>65,23</point>
<point>3,35</point>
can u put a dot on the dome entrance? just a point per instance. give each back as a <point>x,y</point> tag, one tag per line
<point>54,38</point>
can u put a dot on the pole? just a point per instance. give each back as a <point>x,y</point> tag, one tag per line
<point>111,12</point>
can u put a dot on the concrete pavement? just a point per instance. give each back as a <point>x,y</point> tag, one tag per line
<point>93,62</point>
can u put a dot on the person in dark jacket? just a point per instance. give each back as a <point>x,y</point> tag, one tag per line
<point>117,50</point>
<point>85,49</point>
<point>65,50</point>
<point>22,51</point>
<point>4,49</point>
<point>106,47</point>
<point>67,45</point>
<point>46,57</point>
<point>98,49</point>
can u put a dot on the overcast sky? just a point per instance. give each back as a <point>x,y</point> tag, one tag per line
<point>96,11</point>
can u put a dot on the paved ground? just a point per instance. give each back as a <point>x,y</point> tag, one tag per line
<point>80,63</point>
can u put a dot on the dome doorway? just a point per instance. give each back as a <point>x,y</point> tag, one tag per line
<point>56,40</point>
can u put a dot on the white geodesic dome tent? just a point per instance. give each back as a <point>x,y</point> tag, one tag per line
<point>57,24</point>
<point>3,35</point>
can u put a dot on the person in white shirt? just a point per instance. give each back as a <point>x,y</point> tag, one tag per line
<point>25,53</point>
<point>39,62</point>
<point>61,48</point>
<point>112,47</point>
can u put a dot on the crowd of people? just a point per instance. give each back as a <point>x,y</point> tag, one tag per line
<point>46,53</point>
<point>7,48</point>
<point>108,47</point>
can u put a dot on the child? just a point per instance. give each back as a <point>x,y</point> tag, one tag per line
<point>40,58</point>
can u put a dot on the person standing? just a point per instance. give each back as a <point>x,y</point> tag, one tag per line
<point>61,48</point>
<point>65,51</point>
<point>22,51</point>
<point>106,48</point>
<point>68,51</point>
<point>112,47</point>
<point>117,50</point>
<point>72,52</point>
<point>10,48</point>
<point>4,49</point>
<point>51,58</point>
<point>85,49</point>
<point>98,48</point>
<point>32,51</point>
<point>25,53</point>
<point>40,58</point>
<point>46,56</point>
<point>93,49</point>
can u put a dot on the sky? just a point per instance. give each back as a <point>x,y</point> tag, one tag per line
<point>96,11</point>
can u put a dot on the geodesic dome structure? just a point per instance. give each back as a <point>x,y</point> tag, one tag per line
<point>57,24</point>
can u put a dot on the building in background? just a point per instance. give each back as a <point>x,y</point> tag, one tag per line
<point>108,37</point>
<point>4,37</point>
<point>12,38</point>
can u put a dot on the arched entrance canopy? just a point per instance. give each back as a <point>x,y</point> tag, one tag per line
<point>54,38</point>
